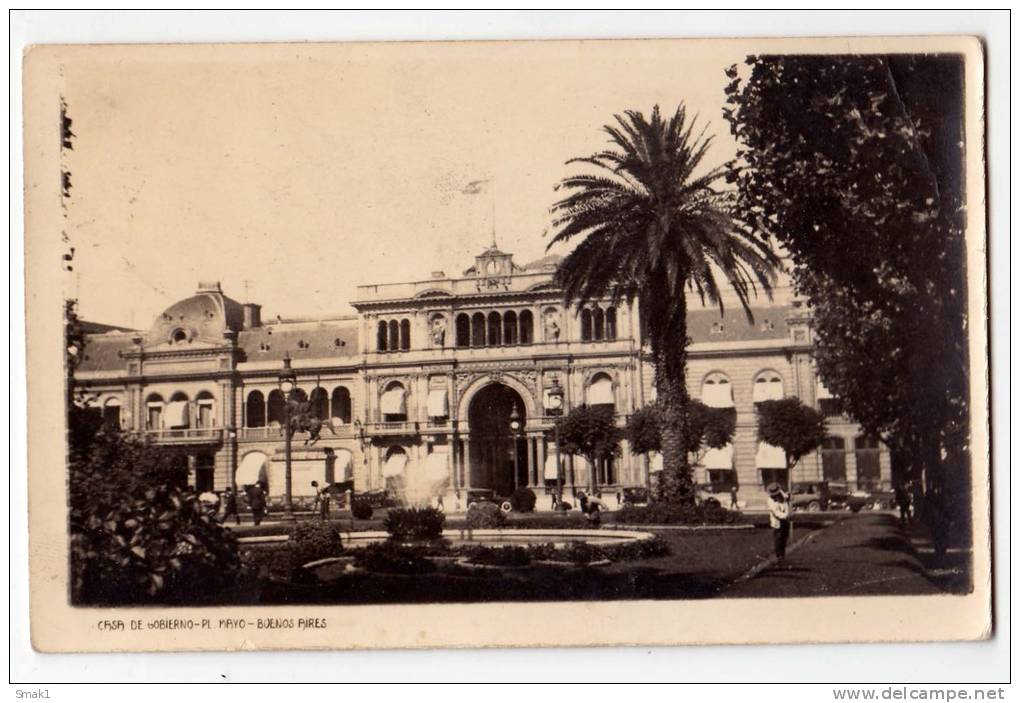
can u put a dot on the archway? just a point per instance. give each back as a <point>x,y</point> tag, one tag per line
<point>491,444</point>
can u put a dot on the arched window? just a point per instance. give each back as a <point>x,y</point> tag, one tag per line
<point>768,386</point>
<point>206,407</point>
<point>255,410</point>
<point>111,415</point>
<point>527,325</point>
<point>393,403</point>
<point>320,403</point>
<point>154,412</point>
<point>586,325</point>
<point>380,336</point>
<point>869,468</point>
<point>405,335</point>
<point>610,323</point>
<point>463,330</point>
<point>717,391</point>
<point>495,329</point>
<point>600,391</point>
<point>834,459</point>
<point>340,406</point>
<point>394,343</point>
<point>598,319</point>
<point>478,330</point>
<point>510,328</point>
<point>276,408</point>
<point>176,414</point>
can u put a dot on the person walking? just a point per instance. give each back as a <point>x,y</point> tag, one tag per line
<point>779,518</point>
<point>903,501</point>
<point>733,498</point>
<point>230,505</point>
<point>257,502</point>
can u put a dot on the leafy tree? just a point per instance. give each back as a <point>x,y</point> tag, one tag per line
<point>794,427</point>
<point>707,428</point>
<point>590,431</point>
<point>654,226</point>
<point>137,534</point>
<point>855,165</point>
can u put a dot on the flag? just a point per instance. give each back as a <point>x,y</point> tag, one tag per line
<point>475,187</point>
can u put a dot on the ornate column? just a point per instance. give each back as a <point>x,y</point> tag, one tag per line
<point>540,460</point>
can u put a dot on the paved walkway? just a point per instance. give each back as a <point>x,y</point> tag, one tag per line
<point>863,554</point>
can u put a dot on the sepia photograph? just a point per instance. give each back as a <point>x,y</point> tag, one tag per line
<point>659,332</point>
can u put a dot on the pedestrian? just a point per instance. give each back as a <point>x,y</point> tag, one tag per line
<point>903,501</point>
<point>257,502</point>
<point>779,518</point>
<point>733,498</point>
<point>230,505</point>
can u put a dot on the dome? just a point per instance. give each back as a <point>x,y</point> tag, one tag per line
<point>205,316</point>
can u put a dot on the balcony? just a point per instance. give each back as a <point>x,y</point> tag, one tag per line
<point>275,433</point>
<point>187,435</point>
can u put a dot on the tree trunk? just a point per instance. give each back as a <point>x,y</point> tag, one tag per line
<point>670,358</point>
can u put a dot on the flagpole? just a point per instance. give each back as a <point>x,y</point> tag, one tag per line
<point>492,195</point>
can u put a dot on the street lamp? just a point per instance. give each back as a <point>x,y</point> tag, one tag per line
<point>515,429</point>
<point>555,408</point>
<point>288,381</point>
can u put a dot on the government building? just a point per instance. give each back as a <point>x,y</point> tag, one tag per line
<point>441,388</point>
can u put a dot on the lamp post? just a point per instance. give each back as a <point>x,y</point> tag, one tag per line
<point>515,429</point>
<point>556,409</point>
<point>288,381</point>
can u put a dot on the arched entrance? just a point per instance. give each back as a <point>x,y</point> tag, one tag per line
<point>491,444</point>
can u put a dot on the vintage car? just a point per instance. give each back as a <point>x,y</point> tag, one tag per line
<point>812,496</point>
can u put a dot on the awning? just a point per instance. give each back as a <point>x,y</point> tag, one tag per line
<point>769,457</point>
<point>343,469</point>
<point>719,458</point>
<point>393,402</point>
<point>250,470</point>
<point>821,392</point>
<point>549,473</point>
<point>768,390</point>
<point>395,465</point>
<point>654,462</point>
<point>437,403</point>
<point>601,393</point>
<point>436,470</point>
<point>176,414</point>
<point>717,394</point>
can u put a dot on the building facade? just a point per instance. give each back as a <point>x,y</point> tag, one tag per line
<point>441,387</point>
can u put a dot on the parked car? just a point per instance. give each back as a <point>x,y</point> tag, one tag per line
<point>842,496</point>
<point>713,494</point>
<point>635,496</point>
<point>486,495</point>
<point>812,496</point>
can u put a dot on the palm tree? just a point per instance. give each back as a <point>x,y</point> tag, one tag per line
<point>652,230</point>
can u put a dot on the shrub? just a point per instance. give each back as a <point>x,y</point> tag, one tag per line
<point>137,534</point>
<point>415,523</point>
<point>661,513</point>
<point>311,540</point>
<point>500,556</point>
<point>361,509</point>
<point>485,516</point>
<point>393,558</point>
<point>523,500</point>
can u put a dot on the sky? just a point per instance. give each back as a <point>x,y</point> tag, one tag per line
<point>294,173</point>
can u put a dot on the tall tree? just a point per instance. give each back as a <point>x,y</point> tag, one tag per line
<point>590,430</point>
<point>654,225</point>
<point>855,165</point>
<point>792,426</point>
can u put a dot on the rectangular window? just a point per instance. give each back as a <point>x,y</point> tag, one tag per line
<point>111,418</point>
<point>869,472</point>
<point>779,476</point>
<point>833,464</point>
<point>205,415</point>
<point>155,417</point>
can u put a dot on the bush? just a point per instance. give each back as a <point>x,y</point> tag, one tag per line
<point>662,513</point>
<point>137,534</point>
<point>312,540</point>
<point>415,523</point>
<point>485,516</point>
<point>393,558</point>
<point>361,509</point>
<point>523,500</point>
<point>500,556</point>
